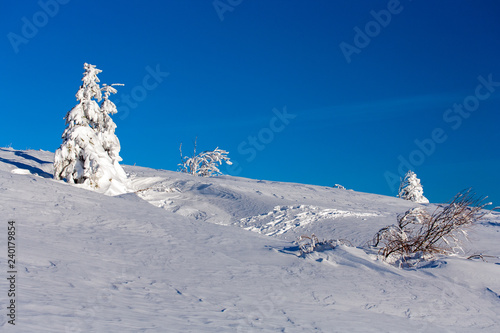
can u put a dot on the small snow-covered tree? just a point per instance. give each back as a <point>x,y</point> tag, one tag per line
<point>82,157</point>
<point>204,164</point>
<point>410,188</point>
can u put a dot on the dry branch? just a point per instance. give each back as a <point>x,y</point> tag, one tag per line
<point>418,231</point>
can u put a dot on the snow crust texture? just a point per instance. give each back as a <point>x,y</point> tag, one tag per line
<point>283,218</point>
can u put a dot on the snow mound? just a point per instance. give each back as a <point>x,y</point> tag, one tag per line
<point>21,172</point>
<point>283,218</point>
<point>155,194</point>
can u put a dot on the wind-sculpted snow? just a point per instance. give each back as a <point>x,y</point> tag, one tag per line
<point>94,263</point>
<point>283,218</point>
<point>333,213</point>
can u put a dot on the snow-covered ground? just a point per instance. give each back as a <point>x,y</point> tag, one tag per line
<point>190,254</point>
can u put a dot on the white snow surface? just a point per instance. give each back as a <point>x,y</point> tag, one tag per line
<point>284,218</point>
<point>88,262</point>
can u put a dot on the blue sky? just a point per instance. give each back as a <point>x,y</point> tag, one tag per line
<point>319,92</point>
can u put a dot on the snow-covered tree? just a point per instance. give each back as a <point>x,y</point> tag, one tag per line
<point>83,158</point>
<point>204,164</point>
<point>106,127</point>
<point>87,112</point>
<point>410,188</point>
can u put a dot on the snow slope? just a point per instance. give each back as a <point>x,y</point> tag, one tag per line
<point>306,209</point>
<point>94,263</point>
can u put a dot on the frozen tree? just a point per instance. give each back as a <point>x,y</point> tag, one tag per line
<point>204,164</point>
<point>87,112</point>
<point>82,157</point>
<point>410,188</point>
<point>106,127</point>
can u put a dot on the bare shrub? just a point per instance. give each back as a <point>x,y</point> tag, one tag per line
<point>204,164</point>
<point>419,233</point>
<point>481,256</point>
<point>311,244</point>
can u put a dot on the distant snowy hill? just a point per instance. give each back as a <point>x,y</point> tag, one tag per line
<point>191,254</point>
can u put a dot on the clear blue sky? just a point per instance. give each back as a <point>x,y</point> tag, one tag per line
<point>360,81</point>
